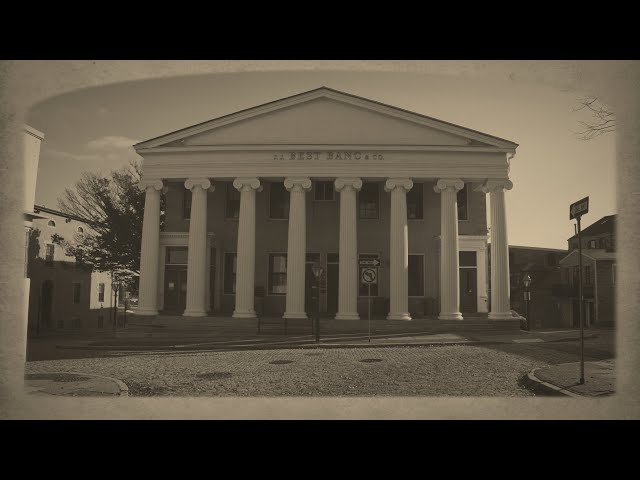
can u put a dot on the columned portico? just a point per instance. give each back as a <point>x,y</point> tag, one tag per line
<point>197,253</point>
<point>399,249</point>
<point>148,293</point>
<point>449,261</point>
<point>246,264</point>
<point>261,251</point>
<point>296,246</point>
<point>348,258</point>
<point>500,301</point>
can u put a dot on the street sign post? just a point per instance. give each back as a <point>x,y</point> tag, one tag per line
<point>576,210</point>
<point>369,276</point>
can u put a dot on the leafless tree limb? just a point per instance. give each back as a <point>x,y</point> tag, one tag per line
<point>602,119</point>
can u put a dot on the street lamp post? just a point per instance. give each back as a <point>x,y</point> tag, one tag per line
<point>317,273</point>
<point>115,286</point>
<point>527,299</point>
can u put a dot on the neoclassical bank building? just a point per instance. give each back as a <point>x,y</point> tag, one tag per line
<point>252,200</point>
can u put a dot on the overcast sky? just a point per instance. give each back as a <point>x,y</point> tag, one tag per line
<point>93,129</point>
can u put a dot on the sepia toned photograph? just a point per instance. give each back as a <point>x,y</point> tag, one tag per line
<point>321,232</point>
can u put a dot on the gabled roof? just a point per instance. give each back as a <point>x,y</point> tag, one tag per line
<point>592,254</point>
<point>604,225</point>
<point>325,92</point>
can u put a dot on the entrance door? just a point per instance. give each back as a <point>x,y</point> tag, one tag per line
<point>332,288</point>
<point>468,282</point>
<point>175,289</point>
<point>47,303</point>
<point>468,290</point>
<point>310,294</point>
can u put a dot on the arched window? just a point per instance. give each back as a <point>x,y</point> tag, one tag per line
<point>80,230</point>
<point>51,223</point>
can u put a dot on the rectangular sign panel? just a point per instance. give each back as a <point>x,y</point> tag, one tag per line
<point>579,208</point>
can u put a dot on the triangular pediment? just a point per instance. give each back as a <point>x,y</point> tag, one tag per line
<point>326,117</point>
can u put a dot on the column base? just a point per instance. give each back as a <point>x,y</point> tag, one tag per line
<point>250,314</point>
<point>347,316</point>
<point>501,316</point>
<point>399,316</point>
<point>146,311</point>
<point>300,315</point>
<point>450,316</point>
<point>194,313</point>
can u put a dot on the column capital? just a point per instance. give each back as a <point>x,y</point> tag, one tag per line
<point>203,183</point>
<point>393,183</point>
<point>449,185</point>
<point>347,182</point>
<point>247,183</point>
<point>153,184</point>
<point>495,185</point>
<point>297,184</point>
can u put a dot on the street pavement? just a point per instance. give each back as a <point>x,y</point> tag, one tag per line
<point>472,363</point>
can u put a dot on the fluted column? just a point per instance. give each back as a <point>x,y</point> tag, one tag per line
<point>149,249</point>
<point>348,257</point>
<point>297,246</point>
<point>399,249</point>
<point>196,263</point>
<point>500,294</point>
<point>449,261</point>
<point>246,251</point>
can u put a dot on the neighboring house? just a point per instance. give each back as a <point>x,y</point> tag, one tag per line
<point>65,294</point>
<point>255,198</point>
<point>542,266</point>
<point>598,276</point>
<point>32,139</point>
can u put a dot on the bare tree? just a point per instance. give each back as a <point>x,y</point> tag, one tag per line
<point>602,119</point>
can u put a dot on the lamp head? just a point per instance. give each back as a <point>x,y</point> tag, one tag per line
<point>526,280</point>
<point>317,270</point>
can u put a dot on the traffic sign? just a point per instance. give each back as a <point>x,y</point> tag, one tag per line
<point>579,208</point>
<point>366,262</point>
<point>369,275</point>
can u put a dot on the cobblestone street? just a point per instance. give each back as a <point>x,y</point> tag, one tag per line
<point>420,371</point>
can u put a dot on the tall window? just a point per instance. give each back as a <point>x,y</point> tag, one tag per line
<point>364,289</point>
<point>101,292</point>
<point>463,205</point>
<point>278,201</point>
<point>592,244</point>
<point>277,273</point>
<point>233,202</point>
<point>230,265</point>
<point>49,254</point>
<point>323,191</point>
<point>576,274</point>
<point>416,275</point>
<point>76,293</point>
<point>587,274</point>
<point>414,202</point>
<point>186,204</point>
<point>368,201</point>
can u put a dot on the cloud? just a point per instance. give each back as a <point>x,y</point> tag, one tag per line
<point>111,142</point>
<point>109,149</point>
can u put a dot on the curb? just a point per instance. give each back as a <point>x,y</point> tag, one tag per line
<point>200,347</point>
<point>284,345</point>
<point>546,387</point>
<point>124,390</point>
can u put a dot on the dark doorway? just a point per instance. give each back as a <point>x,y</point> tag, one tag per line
<point>47,304</point>
<point>468,290</point>
<point>332,288</point>
<point>310,294</point>
<point>175,289</point>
